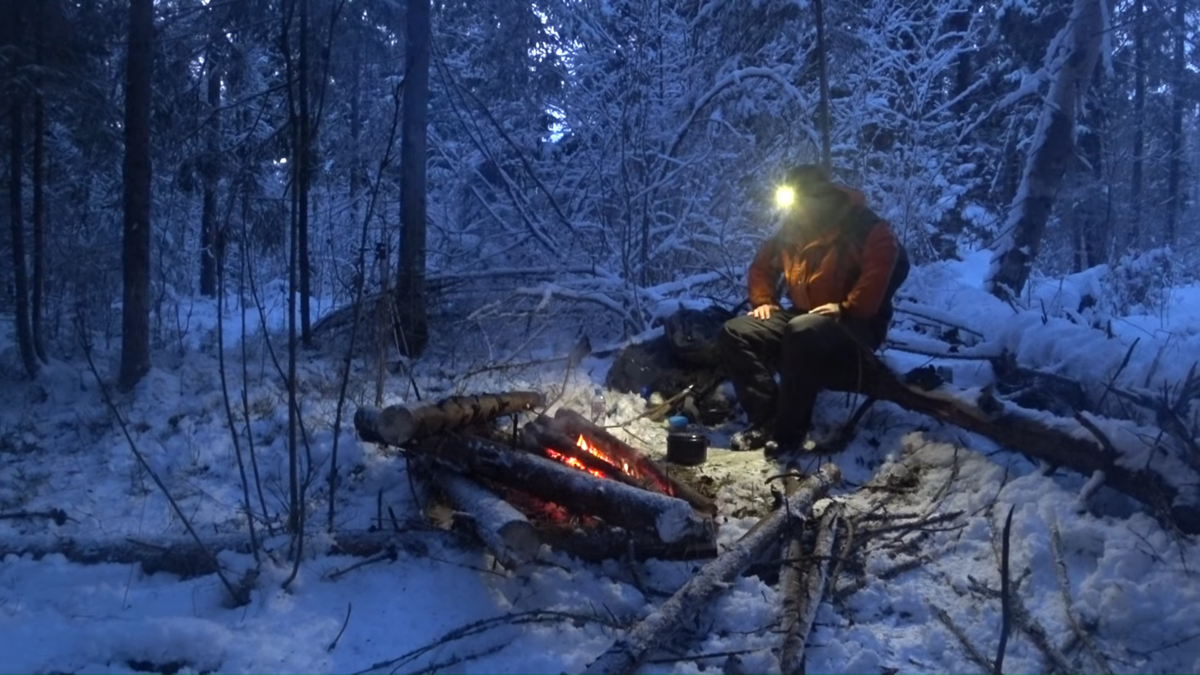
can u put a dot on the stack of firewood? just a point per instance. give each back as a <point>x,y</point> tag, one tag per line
<point>618,498</point>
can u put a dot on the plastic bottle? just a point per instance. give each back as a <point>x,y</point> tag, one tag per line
<point>599,407</point>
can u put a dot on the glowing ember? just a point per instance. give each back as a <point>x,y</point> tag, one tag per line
<point>583,443</point>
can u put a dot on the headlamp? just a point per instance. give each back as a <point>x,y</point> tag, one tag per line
<point>785,196</point>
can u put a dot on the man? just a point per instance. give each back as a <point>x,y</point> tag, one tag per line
<point>837,261</point>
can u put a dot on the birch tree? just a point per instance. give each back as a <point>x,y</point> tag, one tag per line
<point>1071,60</point>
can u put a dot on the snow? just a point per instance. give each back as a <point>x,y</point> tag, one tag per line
<point>1131,581</point>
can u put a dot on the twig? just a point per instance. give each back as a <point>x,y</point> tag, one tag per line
<point>1060,566</point>
<point>1102,437</point>
<point>972,652</point>
<point>239,597</point>
<point>477,627</point>
<point>1113,380</point>
<point>57,515</point>
<point>1005,594</point>
<point>389,554</point>
<point>333,645</point>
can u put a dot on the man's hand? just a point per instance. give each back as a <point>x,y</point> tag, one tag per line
<point>831,310</point>
<point>763,311</point>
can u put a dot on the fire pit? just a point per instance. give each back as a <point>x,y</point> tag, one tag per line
<point>559,480</point>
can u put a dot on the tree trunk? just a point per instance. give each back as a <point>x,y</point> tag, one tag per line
<point>37,311</point>
<point>304,171</point>
<point>20,280</point>
<point>209,254</point>
<point>1175,166</point>
<point>823,76</point>
<point>1139,111</point>
<point>356,166</point>
<point>135,260</point>
<point>412,311</point>
<point>1050,153</point>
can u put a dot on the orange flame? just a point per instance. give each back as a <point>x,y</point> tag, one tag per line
<point>574,463</point>
<point>591,449</point>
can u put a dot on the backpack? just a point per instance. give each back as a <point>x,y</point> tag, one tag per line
<point>860,227</point>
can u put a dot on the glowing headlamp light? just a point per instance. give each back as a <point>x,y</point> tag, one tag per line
<point>785,196</point>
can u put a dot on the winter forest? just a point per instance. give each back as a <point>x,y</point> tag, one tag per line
<point>362,336</point>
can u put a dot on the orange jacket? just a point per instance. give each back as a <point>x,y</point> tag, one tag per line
<point>841,266</point>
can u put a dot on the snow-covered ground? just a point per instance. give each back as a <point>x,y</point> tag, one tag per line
<point>444,608</point>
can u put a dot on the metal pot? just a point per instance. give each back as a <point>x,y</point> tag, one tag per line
<point>688,448</point>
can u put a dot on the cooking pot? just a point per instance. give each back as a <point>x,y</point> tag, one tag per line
<point>688,448</point>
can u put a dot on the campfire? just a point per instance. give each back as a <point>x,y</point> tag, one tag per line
<point>557,480</point>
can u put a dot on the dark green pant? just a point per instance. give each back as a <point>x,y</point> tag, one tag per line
<point>810,352</point>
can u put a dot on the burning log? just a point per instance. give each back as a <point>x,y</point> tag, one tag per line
<point>504,530</point>
<point>620,504</point>
<point>627,652</point>
<point>803,589</point>
<point>399,424</point>
<point>1033,437</point>
<point>541,440</point>
<point>641,466</point>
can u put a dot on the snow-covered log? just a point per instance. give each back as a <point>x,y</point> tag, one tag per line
<point>1028,434</point>
<point>504,530</point>
<point>573,424</point>
<point>578,491</point>
<point>628,651</point>
<point>803,583</point>
<point>399,424</point>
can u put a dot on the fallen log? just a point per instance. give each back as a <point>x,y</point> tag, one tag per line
<point>400,424</point>
<point>628,651</point>
<point>505,531</point>
<point>187,559</point>
<point>573,424</point>
<point>630,507</point>
<point>804,581</point>
<point>1013,428</point>
<point>596,544</point>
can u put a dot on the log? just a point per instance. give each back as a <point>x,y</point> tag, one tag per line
<point>623,505</point>
<point>537,437</point>
<point>185,558</point>
<point>597,544</point>
<point>505,531</point>
<point>400,424</point>
<point>1012,428</point>
<point>573,424</point>
<point>804,588</point>
<point>628,651</point>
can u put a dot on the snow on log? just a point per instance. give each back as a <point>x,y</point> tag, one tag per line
<point>573,424</point>
<point>399,424</point>
<point>628,651</point>
<point>803,581</point>
<point>578,491</point>
<point>504,530</point>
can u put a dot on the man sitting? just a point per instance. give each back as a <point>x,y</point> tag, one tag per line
<point>839,263</point>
